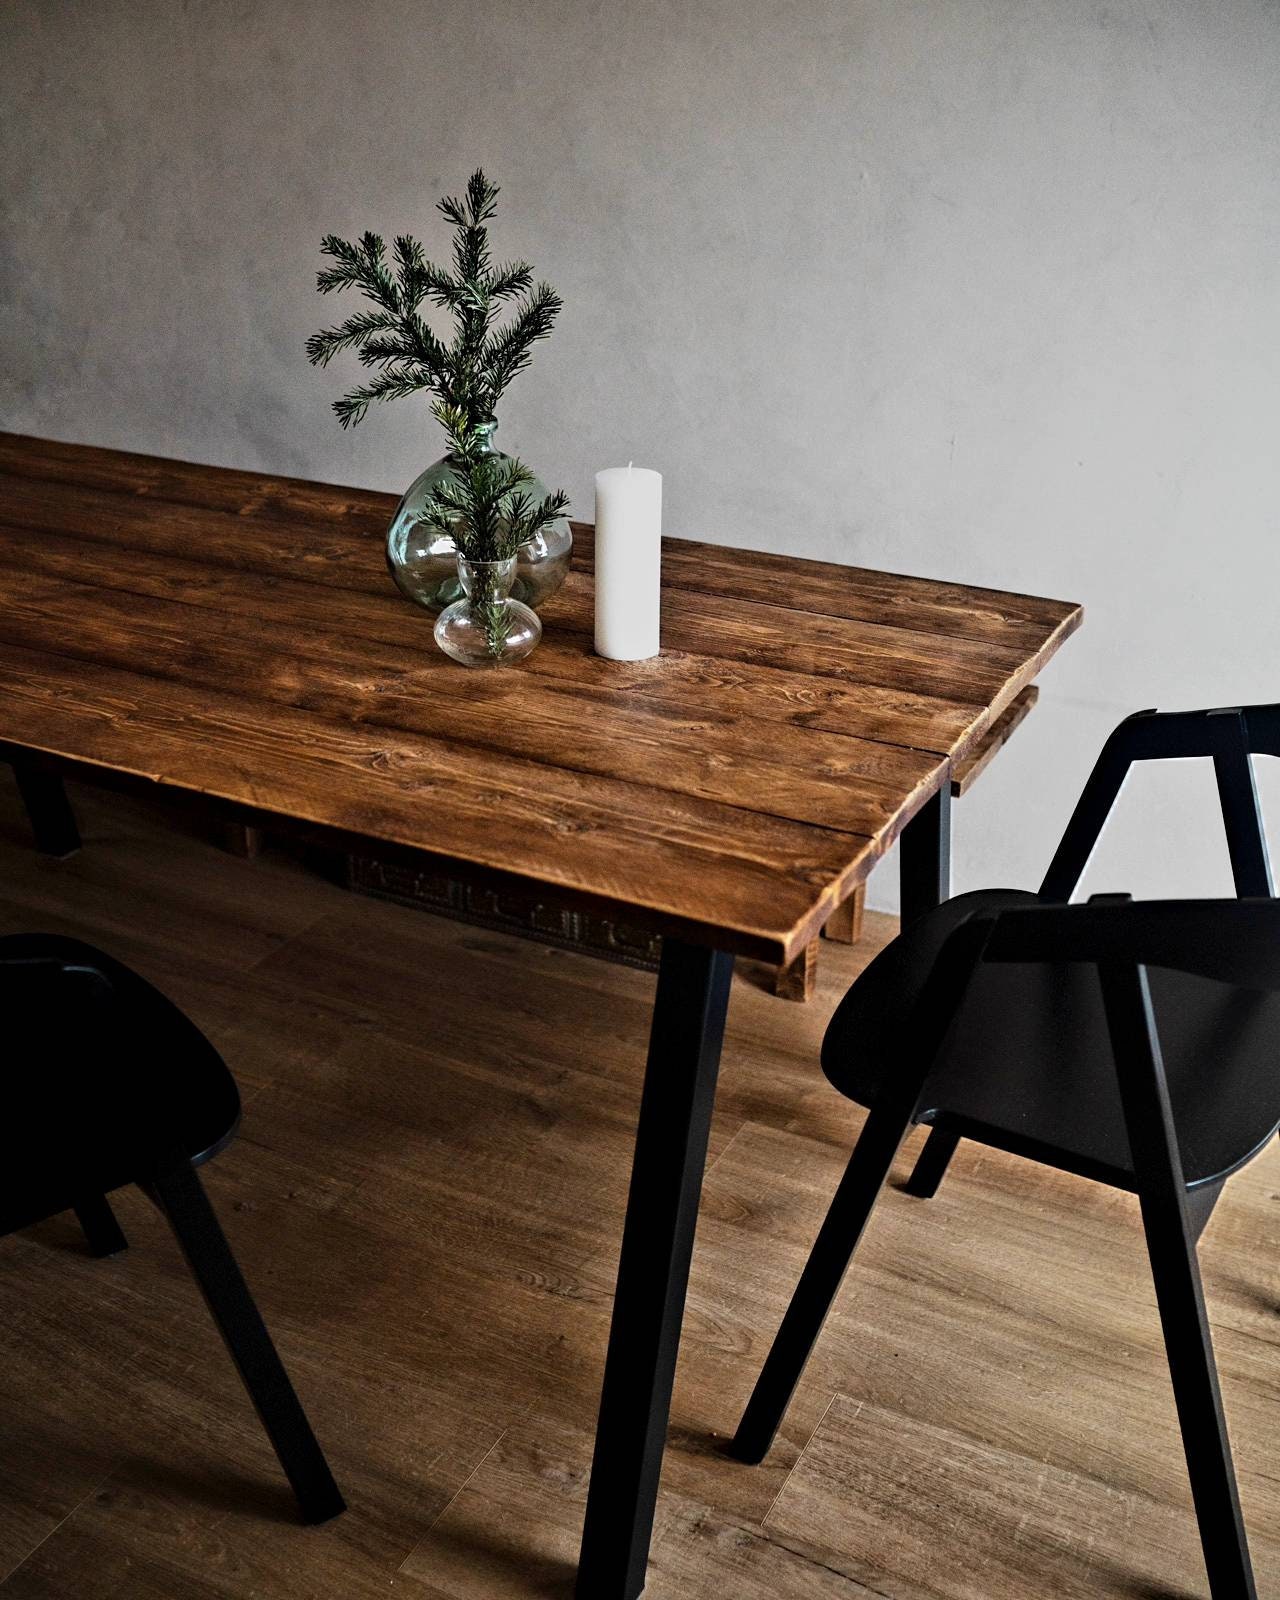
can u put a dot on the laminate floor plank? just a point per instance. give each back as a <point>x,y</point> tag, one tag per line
<point>921,1514</point>
<point>426,1198</point>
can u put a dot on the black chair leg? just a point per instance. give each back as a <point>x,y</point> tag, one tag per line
<point>931,1164</point>
<point>1171,1230</point>
<point>178,1192</point>
<point>1200,1204</point>
<point>832,1251</point>
<point>1171,1247</point>
<point>103,1234</point>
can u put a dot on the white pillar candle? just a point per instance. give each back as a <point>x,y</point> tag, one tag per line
<point>628,562</point>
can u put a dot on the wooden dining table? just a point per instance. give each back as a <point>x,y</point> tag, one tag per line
<point>234,637</point>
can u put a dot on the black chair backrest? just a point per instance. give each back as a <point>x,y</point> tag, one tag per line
<point>1229,736</point>
<point>1230,941</point>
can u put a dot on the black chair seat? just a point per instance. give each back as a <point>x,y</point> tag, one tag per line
<point>109,1075</point>
<point>1028,1065</point>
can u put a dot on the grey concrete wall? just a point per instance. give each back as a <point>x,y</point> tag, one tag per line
<point>982,289</point>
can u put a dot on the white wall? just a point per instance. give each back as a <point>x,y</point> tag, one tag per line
<point>982,289</point>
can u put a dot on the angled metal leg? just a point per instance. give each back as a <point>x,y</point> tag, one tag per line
<point>48,810</point>
<point>1200,1204</point>
<point>1171,1246</point>
<point>924,853</point>
<point>103,1234</point>
<point>926,882</point>
<point>931,1164</point>
<point>178,1192</point>
<point>864,1177</point>
<point>653,1272</point>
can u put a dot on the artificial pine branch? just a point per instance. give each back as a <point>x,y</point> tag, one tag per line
<point>507,351</point>
<point>393,384</point>
<point>473,370</point>
<point>358,330</point>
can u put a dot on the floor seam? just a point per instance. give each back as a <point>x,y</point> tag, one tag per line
<point>453,1498</point>
<point>301,933</point>
<point>60,1524</point>
<point>719,1157</point>
<point>782,1486</point>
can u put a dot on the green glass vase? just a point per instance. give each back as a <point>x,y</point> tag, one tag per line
<point>424,561</point>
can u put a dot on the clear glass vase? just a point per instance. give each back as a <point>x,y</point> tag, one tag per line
<point>424,561</point>
<point>487,627</point>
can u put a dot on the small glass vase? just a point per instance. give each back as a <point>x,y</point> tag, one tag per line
<point>424,561</point>
<point>487,627</point>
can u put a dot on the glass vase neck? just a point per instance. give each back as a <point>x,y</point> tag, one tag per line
<point>486,580</point>
<point>484,432</point>
<point>486,628</point>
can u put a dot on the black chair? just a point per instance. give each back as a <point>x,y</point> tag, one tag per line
<point>1135,1043</point>
<point>109,1084</point>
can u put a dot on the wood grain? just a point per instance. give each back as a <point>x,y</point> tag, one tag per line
<point>965,773</point>
<point>857,593</point>
<point>687,680</point>
<point>797,980</point>
<point>803,774</point>
<point>235,636</point>
<point>845,923</point>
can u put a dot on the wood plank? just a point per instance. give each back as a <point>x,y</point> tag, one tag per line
<point>965,773</point>
<point>1026,1527</point>
<point>815,587</point>
<point>860,652</point>
<point>683,679</point>
<point>826,588</point>
<point>803,774</point>
<point>904,666</point>
<point>126,472</point>
<point>923,662</point>
<point>326,553</point>
<point>845,923</point>
<point>674,862</point>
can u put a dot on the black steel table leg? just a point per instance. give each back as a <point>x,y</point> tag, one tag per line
<point>925,857</point>
<point>653,1271</point>
<point>52,820</point>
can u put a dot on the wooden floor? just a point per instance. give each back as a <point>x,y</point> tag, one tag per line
<point>427,1197</point>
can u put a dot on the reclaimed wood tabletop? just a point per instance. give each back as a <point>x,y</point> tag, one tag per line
<point>236,635</point>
